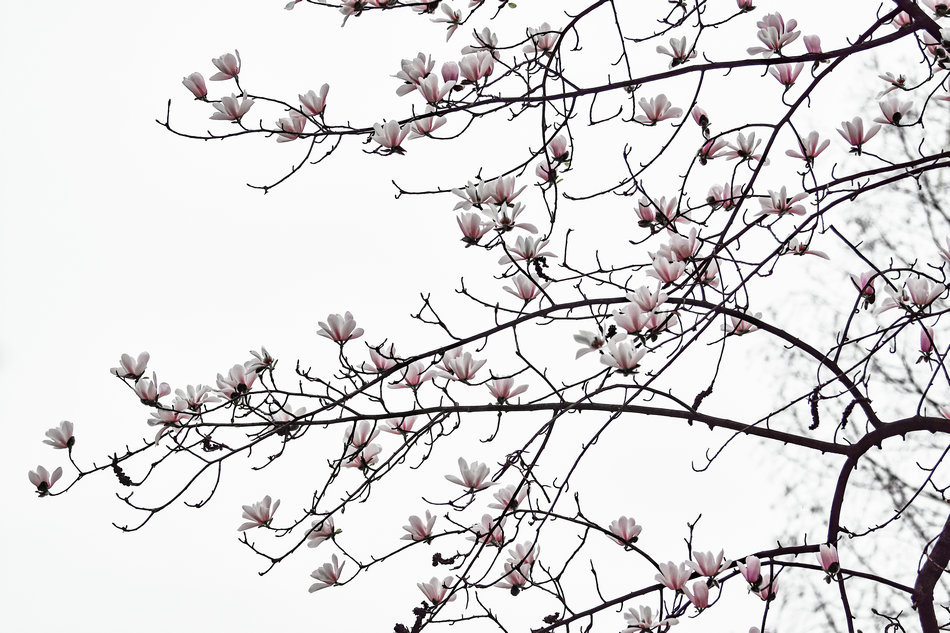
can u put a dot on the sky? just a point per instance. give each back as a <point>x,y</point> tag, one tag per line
<point>120,237</point>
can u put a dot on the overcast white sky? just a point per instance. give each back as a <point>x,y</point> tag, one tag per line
<point>119,237</point>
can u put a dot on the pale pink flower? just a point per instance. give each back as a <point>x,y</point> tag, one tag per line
<point>625,530</point>
<point>412,72</point>
<point>926,346</point>
<point>418,529</point>
<point>622,356</point>
<point>828,558</point>
<point>558,148</point>
<point>543,40</point>
<point>893,110</point>
<point>452,19</point>
<point>320,530</point>
<point>645,212</point>
<point>673,575</point>
<point>665,270</point>
<point>383,358</point>
<point>812,43</point>
<point>340,328</point>
<point>941,8</point>
<point>642,620</point>
<point>524,554</point>
<point>680,51</point>
<point>473,195</point>
<point>699,595</point>
<point>291,127</point>
<point>590,341</point>
<point>647,299</point>
<point>504,217</point>
<point>426,125</point>
<point>630,318</point>
<point>707,563</point>
<point>351,7</point>
<point>526,249</point>
<point>526,288</point>
<point>230,109</point>
<point>769,587</point>
<point>259,514</point>
<point>775,33</point>
<point>168,418</point>
<point>366,457</point>
<point>786,74</point>
<point>685,247</point>
<point>700,117</point>
<point>450,72</point>
<point>745,5</point>
<point>865,284</point>
<point>359,435</point>
<point>129,368</point>
<point>794,247</point>
<point>436,590</point>
<point>150,390</point>
<point>709,275</point>
<point>312,103</point>
<point>327,574</point>
<point>506,499</point>
<point>414,376</point>
<point>61,436</point>
<point>474,476</point>
<point>902,20</point>
<point>751,570</point>
<point>195,396</point>
<point>485,40</point>
<point>43,480</point>
<point>810,148</point>
<point>402,426</point>
<point>477,66</point>
<point>390,135</point>
<point>744,148</point>
<point>196,84</point>
<point>893,83</point>
<point>488,532</point>
<point>896,299</point>
<point>431,91</point>
<point>473,227</point>
<point>464,367</point>
<point>740,326</point>
<point>503,389</point>
<point>854,133</point>
<point>228,66</point>
<point>262,362</point>
<point>502,190</point>
<point>237,383</point>
<point>657,109</point>
<point>922,291</point>
<point>723,196</point>
<point>516,578</point>
<point>778,203</point>
<point>545,172</point>
<point>714,148</point>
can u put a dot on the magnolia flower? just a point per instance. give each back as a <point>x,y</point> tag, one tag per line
<point>291,127</point>
<point>854,133</point>
<point>865,284</point>
<point>646,299</point>
<point>893,83</point>
<point>327,574</point>
<point>419,530</point>
<point>744,147</point>
<point>237,383</point>
<point>504,216</point>
<point>926,348</point>
<point>740,326</point>
<point>630,318</point>
<point>426,125</point>
<point>452,18</point>
<point>502,190</point>
<point>699,595</point>
<point>168,418</point>
<point>657,109</point>
<point>431,91</point>
<point>625,530</point>
<point>515,578</point>
<point>545,171</point>
<point>685,247</point>
<point>673,575</point>
<point>665,270</point>
<point>230,109</point>
<point>473,227</point>
<point>195,396</point>
<point>450,72</point>
<point>129,368</point>
<point>415,375</point>
<point>709,275</point>
<point>341,328</point>
<point>941,8</point>
<point>558,148</point>
<point>525,249</point>
<point>227,65</point>
<point>382,358</point>
<point>922,291</point>
<point>488,532</point>
<point>543,40</point>
<point>524,554</point>
<point>828,558</point>
<point>896,299</point>
<point>313,104</point>
<point>707,563</point>
<point>642,619</point>
<point>503,389</point>
<point>366,457</point>
<point>464,367</point>
<point>893,110</point>
<point>149,390</point>
<point>713,148</point>
<point>812,43</point>
<point>506,499</point>
<point>473,476</point>
<point>769,587</point>
<point>61,436</point>
<point>745,5</point>
<point>402,426</point>
<point>413,71</point>
<point>724,196</point>
<point>621,355</point>
<point>359,435</point>
<point>477,66</point>
<point>681,51</point>
<point>262,362</point>
<point>902,20</point>
<point>321,530</point>
<point>590,341</point>
<point>196,84</point>
<point>390,135</point>
<point>810,148</point>
<point>526,288</point>
<point>751,570</point>
<point>259,513</point>
<point>778,203</point>
<point>485,40</point>
<point>472,195</point>
<point>436,590</point>
<point>794,247</point>
<point>43,480</point>
<point>786,74</point>
<point>775,33</point>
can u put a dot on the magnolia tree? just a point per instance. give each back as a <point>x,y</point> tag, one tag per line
<point>650,310</point>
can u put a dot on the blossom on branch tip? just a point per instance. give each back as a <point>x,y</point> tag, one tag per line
<point>786,74</point>
<point>794,247</point>
<point>61,436</point>
<point>812,43</point>
<point>312,103</point>
<point>591,342</point>
<point>699,595</point>
<point>503,389</point>
<point>464,367</point>
<point>382,358</point>
<point>673,575</point>
<point>657,109</point>
<point>558,148</point>
<point>545,171</point>
<point>486,41</point>
<point>489,532</point>
<point>745,5</point>
<point>401,426</point>
<point>526,288</point>
<point>744,148</point>
<point>828,558</point>
<point>473,227</point>
<point>414,376</point>
<point>853,132</point>
<point>502,190</point>
<point>320,530</point>
<point>810,148</point>
<point>680,51</point>
<point>366,457</point>
<point>129,368</point>
<point>505,498</point>
<point>543,40</point>
<point>740,326</point>
<point>922,291</point>
<point>230,109</point>
<point>893,83</point>
<point>778,203</point>
<point>228,66</point>
<point>327,574</point>
<point>902,20</point>
<point>452,19</point>
<point>359,435</point>
<point>473,476</point>
<point>436,590</point>
<point>893,110</point>
<point>775,33</point>
<point>426,125</point>
<point>237,383</point>
<point>419,530</point>
<point>412,72</point>
<point>259,514</point>
<point>625,530</point>
<point>769,587</point>
<point>526,249</point>
<point>665,270</point>
<point>340,328</point>
<point>291,127</point>
<point>431,91</point>
<point>516,578</point>
<point>622,356</point>
<point>641,620</point>
<point>390,135</point>
<point>150,390</point>
<point>751,570</point>
<point>43,480</point>
<point>477,66</point>
<point>646,299</point>
<point>941,8</point>
<point>195,83</point>
<point>504,217</point>
<point>707,563</point>
<point>450,72</point>
<point>926,344</point>
<point>195,396</point>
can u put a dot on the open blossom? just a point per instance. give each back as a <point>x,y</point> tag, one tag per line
<point>647,299</point>
<point>383,358</point>
<point>313,103</point>
<point>794,247</point>
<point>526,288</point>
<point>415,375</point>
<point>488,531</point>
<point>723,196</point>
<point>740,326</point>
<point>828,558</point>
<point>769,587</point>
<point>642,620</point>
<point>473,227</point>
<point>131,368</point>
<point>43,480</point>
<point>61,436</point>
<point>401,426</point>
<point>778,203</point>
<point>291,127</point>
<point>630,318</point>
<point>193,397</point>
<point>464,366</point>
<point>673,575</point>
<point>786,74</point>
<point>775,33</point>
<point>865,284</point>
<point>502,190</point>
<point>452,19</point>
<point>699,595</point>
<point>713,148</point>
<point>744,148</point>
<point>340,328</point>
<point>657,109</point>
<point>810,148</point>
<point>366,457</point>
<point>922,291</point>
<point>150,390</point>
<point>327,574</point>
<point>168,418</point>
<point>477,66</point>
<point>431,91</point>
<point>474,476</point>
<point>259,513</point>
<point>625,530</point>
<point>436,590</point>
<point>665,270</point>
<point>359,435</point>
<point>590,341</point>
<point>853,132</point>
<point>506,499</point>
<point>504,217</point>
<point>503,389</point>
<point>516,577</point>
<point>418,529</point>
<point>941,8</point>
<point>262,361</point>
<point>485,40</point>
<point>230,109</point>
<point>195,83</point>
<point>680,51</point>
<point>893,110</point>
<point>526,249</point>
<point>707,563</point>
<point>543,40</point>
<point>390,135</point>
<point>622,356</point>
<point>320,530</point>
<point>545,171</point>
<point>751,570</point>
<point>893,83</point>
<point>412,72</point>
<point>228,66</point>
<point>238,382</point>
<point>427,125</point>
